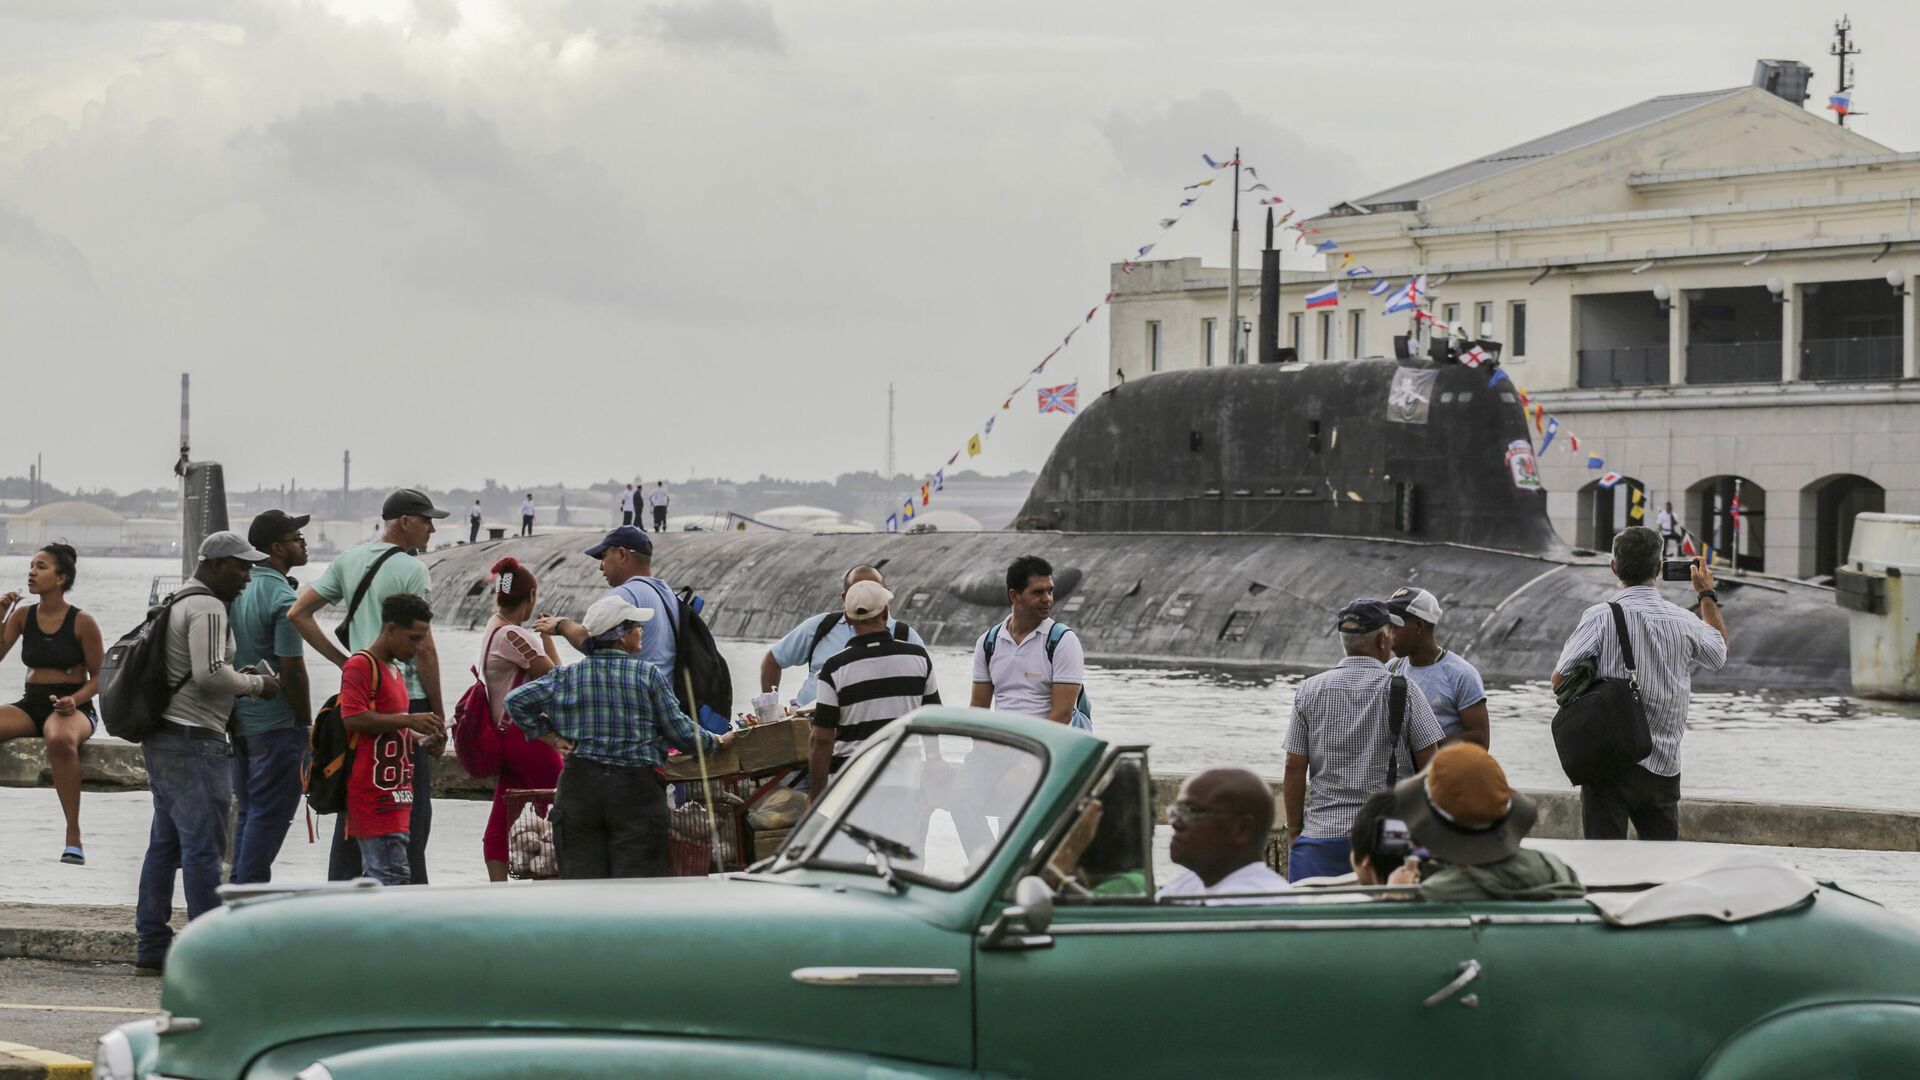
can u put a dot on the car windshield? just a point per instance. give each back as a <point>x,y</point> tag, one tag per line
<point>935,810</point>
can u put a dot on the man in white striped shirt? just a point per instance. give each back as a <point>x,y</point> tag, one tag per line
<point>1668,643</point>
<point>874,681</point>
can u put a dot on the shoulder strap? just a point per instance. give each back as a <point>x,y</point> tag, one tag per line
<point>1396,719</point>
<point>822,631</point>
<point>1620,632</point>
<point>374,689</point>
<point>987,642</point>
<point>366,582</point>
<point>673,607</point>
<point>901,630</point>
<point>1054,635</point>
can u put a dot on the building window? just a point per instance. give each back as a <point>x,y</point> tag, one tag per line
<point>1517,329</point>
<point>1293,333</point>
<point>1207,337</point>
<point>1153,345</point>
<point>1357,332</point>
<point>1483,321</point>
<point>1325,329</point>
<point>1450,314</point>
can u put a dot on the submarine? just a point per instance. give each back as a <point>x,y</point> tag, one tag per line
<point>1223,515</point>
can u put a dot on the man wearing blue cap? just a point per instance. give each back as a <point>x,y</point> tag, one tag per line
<point>626,561</point>
<point>1356,730</point>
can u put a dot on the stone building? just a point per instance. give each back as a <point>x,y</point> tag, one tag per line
<point>1712,290</point>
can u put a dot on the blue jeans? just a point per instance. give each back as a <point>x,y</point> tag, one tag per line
<point>384,858</point>
<point>192,783</point>
<point>1319,856</point>
<point>266,781</point>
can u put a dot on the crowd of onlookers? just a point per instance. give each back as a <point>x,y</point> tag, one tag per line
<point>1388,777</point>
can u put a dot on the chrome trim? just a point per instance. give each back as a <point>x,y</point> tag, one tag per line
<point>167,1024</point>
<point>1467,922</point>
<point>876,976</point>
<point>239,895</point>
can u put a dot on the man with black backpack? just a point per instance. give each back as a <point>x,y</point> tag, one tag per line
<point>187,755</point>
<point>1027,663</point>
<point>362,578</point>
<point>821,637</point>
<point>1663,643</point>
<point>1356,730</point>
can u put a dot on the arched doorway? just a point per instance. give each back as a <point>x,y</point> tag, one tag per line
<point>1605,511</point>
<point>1729,515</point>
<point>1829,506</point>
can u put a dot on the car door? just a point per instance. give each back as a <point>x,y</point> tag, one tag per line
<point>1138,988</point>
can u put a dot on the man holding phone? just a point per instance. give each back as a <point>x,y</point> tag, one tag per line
<point>1669,642</point>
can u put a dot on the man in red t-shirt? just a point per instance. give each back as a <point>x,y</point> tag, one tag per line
<point>373,707</point>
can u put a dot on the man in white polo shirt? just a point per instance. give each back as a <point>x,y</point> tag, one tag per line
<point>1027,664</point>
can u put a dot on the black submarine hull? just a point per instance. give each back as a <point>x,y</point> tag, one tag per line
<point>1206,598</point>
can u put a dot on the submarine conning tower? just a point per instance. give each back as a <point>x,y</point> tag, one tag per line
<point>1366,448</point>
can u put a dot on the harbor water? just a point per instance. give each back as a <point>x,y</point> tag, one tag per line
<point>1756,745</point>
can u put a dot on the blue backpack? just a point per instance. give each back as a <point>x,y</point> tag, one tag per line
<point>1083,706</point>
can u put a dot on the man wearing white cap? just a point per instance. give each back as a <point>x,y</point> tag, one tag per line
<point>1452,685</point>
<point>874,681</point>
<point>188,757</point>
<point>612,716</point>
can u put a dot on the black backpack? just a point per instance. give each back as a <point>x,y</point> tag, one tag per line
<point>832,619</point>
<point>330,765</point>
<point>134,687</point>
<point>701,679</point>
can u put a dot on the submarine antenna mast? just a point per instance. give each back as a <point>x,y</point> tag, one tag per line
<point>1233,271</point>
<point>1269,298</point>
<point>1841,49</point>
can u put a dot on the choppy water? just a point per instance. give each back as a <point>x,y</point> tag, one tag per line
<point>1752,745</point>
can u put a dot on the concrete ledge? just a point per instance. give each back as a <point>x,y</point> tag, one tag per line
<point>110,765</point>
<point>71,932</point>
<point>1713,821</point>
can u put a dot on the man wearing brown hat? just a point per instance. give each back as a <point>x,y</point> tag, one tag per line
<point>1464,813</point>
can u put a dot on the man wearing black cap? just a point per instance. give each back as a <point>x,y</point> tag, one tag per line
<point>269,736</point>
<point>1353,733</point>
<point>626,561</point>
<point>362,578</point>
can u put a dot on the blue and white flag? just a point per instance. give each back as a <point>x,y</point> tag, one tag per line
<point>1553,428</point>
<point>1381,287</point>
<point>893,522</point>
<point>1359,271</point>
<point>1325,245</point>
<point>1408,296</point>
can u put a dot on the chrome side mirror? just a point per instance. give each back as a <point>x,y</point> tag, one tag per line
<point>1024,925</point>
<point>1035,900</point>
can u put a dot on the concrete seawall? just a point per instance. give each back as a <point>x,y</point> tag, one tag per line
<point>115,766</point>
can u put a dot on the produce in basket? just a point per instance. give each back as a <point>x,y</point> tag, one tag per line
<point>530,853</point>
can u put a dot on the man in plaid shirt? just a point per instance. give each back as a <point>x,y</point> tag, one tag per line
<point>612,716</point>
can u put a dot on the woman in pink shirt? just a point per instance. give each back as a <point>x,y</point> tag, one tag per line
<point>511,656</point>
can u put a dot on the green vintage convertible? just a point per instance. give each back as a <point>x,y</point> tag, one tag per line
<point>974,898</point>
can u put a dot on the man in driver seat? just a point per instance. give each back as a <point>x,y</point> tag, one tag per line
<point>1463,812</point>
<point>1221,821</point>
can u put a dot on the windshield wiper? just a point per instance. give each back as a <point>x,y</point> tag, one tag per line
<point>883,851</point>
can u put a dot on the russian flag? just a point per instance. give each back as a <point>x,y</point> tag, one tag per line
<point>1840,103</point>
<point>1327,297</point>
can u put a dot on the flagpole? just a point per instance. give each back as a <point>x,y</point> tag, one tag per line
<point>1233,270</point>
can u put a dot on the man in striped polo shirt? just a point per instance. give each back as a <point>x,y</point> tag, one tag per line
<point>875,680</point>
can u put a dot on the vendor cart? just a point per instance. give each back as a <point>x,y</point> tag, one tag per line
<point>763,759</point>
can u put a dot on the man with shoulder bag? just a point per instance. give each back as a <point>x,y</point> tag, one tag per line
<point>1619,736</point>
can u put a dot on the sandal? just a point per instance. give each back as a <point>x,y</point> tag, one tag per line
<point>74,856</point>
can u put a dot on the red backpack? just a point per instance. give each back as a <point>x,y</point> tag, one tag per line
<point>476,738</point>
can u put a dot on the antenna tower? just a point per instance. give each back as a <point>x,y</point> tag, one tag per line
<point>1842,50</point>
<point>890,431</point>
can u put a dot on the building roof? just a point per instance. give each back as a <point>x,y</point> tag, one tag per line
<point>74,512</point>
<point>1618,122</point>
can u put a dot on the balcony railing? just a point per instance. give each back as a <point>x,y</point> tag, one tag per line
<point>1850,358</point>
<point>1741,362</point>
<point>1624,365</point>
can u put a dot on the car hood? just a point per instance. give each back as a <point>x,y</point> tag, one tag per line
<point>705,957</point>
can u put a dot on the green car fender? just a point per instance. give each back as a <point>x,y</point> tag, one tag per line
<point>610,1056</point>
<point>1859,1040</point>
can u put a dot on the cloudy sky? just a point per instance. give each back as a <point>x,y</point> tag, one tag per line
<point>578,239</point>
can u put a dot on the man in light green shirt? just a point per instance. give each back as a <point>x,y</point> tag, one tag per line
<point>409,517</point>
